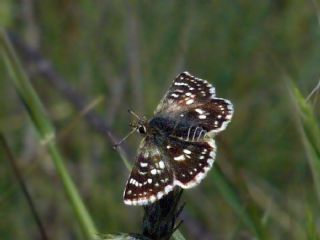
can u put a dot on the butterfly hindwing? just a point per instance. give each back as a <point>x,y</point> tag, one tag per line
<point>212,116</point>
<point>190,161</point>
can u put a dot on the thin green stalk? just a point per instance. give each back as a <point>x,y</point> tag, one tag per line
<point>46,132</point>
<point>310,132</point>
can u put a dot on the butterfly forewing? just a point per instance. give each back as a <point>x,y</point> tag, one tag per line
<point>191,102</point>
<point>151,177</point>
<point>185,91</point>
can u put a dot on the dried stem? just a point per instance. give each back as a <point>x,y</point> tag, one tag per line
<point>160,218</point>
<point>25,191</point>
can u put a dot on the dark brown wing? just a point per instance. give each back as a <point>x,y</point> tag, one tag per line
<point>185,91</point>
<point>190,161</point>
<point>151,178</point>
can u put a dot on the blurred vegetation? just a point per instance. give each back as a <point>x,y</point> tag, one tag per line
<point>128,52</point>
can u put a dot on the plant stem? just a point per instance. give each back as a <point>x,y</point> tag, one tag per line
<point>46,132</point>
<point>23,187</point>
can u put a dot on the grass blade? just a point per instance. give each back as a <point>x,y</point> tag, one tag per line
<point>311,226</point>
<point>310,132</point>
<point>46,132</point>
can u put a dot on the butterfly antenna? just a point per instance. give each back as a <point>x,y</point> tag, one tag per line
<point>134,114</point>
<point>115,146</point>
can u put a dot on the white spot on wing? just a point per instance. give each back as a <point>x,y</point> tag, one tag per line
<point>160,195</point>
<point>143,164</point>
<point>186,151</point>
<point>190,101</point>
<point>200,111</point>
<point>161,165</point>
<point>179,158</point>
<point>153,198</point>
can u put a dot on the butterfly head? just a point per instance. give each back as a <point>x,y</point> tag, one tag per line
<point>141,129</point>
<point>139,126</point>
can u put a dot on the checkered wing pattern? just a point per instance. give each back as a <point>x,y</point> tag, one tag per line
<point>157,170</point>
<point>151,177</point>
<point>190,161</point>
<point>185,91</point>
<point>192,101</point>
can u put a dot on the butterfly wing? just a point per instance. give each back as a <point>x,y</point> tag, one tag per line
<point>190,161</point>
<point>191,103</point>
<point>188,115</point>
<point>185,91</point>
<point>211,117</point>
<point>158,169</point>
<point>151,178</point>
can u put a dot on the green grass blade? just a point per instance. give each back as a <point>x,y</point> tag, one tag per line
<point>46,132</point>
<point>230,194</point>
<point>25,90</point>
<point>310,132</point>
<point>311,226</point>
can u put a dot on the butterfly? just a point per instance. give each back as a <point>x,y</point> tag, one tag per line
<point>177,148</point>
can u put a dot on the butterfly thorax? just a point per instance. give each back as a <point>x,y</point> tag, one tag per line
<point>170,127</point>
<point>161,125</point>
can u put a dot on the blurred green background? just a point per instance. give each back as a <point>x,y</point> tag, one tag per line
<point>128,52</point>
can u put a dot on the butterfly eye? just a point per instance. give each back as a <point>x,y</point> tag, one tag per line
<point>142,129</point>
